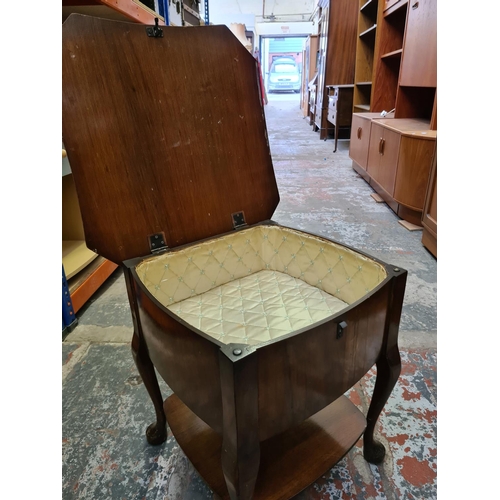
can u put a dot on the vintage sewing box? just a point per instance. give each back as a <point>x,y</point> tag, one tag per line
<point>258,329</point>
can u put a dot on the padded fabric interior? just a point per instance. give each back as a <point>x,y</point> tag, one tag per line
<point>257,308</point>
<point>180,279</point>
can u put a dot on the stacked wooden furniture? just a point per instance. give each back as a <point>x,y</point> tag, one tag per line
<point>337,30</point>
<point>394,153</point>
<point>258,329</point>
<point>309,55</point>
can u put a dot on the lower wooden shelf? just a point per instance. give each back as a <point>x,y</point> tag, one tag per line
<point>289,462</point>
<point>75,257</point>
<point>84,284</point>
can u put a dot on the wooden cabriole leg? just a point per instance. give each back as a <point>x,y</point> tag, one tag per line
<point>156,433</point>
<point>388,369</point>
<point>240,440</point>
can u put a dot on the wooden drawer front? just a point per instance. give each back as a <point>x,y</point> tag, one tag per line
<point>383,154</point>
<point>415,160</point>
<point>360,140</point>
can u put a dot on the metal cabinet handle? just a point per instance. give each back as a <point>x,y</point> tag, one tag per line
<point>359,132</point>
<point>415,6</point>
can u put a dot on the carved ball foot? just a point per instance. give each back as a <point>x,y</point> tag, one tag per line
<point>374,452</point>
<point>156,434</point>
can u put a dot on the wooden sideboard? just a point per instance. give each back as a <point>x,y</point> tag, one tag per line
<point>394,156</point>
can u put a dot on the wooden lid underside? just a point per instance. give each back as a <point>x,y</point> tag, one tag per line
<point>163,134</point>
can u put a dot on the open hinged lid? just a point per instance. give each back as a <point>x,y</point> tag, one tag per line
<point>164,134</point>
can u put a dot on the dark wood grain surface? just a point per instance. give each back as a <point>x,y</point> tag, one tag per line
<point>187,362</point>
<point>342,37</point>
<point>163,134</point>
<point>240,451</point>
<point>303,374</point>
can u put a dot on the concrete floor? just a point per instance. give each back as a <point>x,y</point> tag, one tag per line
<point>106,408</point>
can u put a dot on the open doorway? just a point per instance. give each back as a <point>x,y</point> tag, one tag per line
<point>281,63</point>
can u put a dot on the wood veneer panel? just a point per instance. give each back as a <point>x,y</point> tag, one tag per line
<point>383,156</point>
<point>156,144</point>
<point>288,463</point>
<point>419,65</point>
<point>360,139</point>
<point>187,361</point>
<point>390,39</point>
<point>415,160</point>
<point>415,102</point>
<point>288,394</point>
<point>342,34</point>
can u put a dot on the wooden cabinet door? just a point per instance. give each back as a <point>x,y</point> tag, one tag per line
<point>419,63</point>
<point>383,155</point>
<point>360,140</point>
<point>389,160</point>
<point>373,162</point>
<point>415,160</point>
<point>429,216</point>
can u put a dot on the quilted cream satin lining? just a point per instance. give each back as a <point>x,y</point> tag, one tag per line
<point>185,274</point>
<point>257,308</point>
